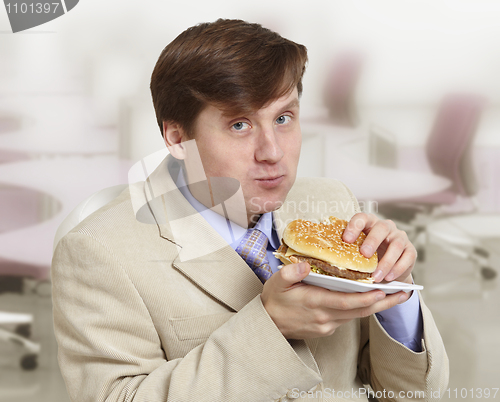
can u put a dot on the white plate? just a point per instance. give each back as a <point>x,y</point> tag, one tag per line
<point>348,286</point>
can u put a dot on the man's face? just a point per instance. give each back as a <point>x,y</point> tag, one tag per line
<point>261,150</point>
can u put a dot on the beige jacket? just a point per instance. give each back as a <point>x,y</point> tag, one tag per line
<point>135,323</point>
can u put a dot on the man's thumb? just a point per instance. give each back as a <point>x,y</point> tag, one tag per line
<point>294,273</point>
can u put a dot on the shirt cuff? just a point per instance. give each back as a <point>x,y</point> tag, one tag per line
<point>404,323</point>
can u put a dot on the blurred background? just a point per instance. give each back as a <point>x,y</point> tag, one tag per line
<point>401,102</point>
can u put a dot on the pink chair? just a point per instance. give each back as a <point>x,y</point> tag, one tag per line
<point>449,154</point>
<point>340,89</point>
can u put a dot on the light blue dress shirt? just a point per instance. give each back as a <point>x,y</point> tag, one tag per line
<point>402,322</point>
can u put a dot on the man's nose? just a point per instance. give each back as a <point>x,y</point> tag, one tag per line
<point>268,148</point>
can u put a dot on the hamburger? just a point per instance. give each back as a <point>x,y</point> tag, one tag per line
<point>321,245</point>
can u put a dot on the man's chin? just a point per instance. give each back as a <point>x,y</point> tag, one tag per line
<point>267,206</point>
<point>269,201</point>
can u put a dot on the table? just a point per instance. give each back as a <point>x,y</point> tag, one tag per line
<point>373,183</point>
<point>343,154</point>
<point>55,125</point>
<point>70,181</point>
<point>41,142</point>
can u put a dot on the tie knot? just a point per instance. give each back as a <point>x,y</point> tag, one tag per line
<point>253,249</point>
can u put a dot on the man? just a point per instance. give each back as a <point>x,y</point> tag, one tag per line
<point>152,300</point>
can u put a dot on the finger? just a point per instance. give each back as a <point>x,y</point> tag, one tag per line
<point>380,231</point>
<point>404,265</point>
<point>385,304</point>
<point>290,274</point>
<point>356,225</point>
<point>348,301</point>
<point>392,255</point>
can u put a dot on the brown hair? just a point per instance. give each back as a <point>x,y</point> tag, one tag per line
<point>233,65</point>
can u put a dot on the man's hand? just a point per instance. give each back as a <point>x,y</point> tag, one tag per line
<point>396,254</point>
<point>302,311</point>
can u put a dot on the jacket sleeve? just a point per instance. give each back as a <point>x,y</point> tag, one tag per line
<point>388,365</point>
<point>109,349</point>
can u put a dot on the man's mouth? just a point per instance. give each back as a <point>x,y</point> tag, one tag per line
<point>271,181</point>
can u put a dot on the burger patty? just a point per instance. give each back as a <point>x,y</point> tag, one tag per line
<point>332,269</point>
<point>325,266</point>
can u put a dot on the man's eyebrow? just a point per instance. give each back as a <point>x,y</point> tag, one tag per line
<point>292,104</point>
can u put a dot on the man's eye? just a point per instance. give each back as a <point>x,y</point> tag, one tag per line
<point>283,119</point>
<point>240,126</point>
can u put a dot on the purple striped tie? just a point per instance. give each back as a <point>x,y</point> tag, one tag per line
<point>252,249</point>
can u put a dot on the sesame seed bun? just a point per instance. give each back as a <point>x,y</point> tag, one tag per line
<point>323,241</point>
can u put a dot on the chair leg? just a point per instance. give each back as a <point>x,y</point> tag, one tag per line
<point>28,361</point>
<point>479,256</point>
<point>23,330</point>
<point>482,256</point>
<point>488,273</point>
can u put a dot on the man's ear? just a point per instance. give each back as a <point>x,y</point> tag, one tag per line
<point>173,136</point>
